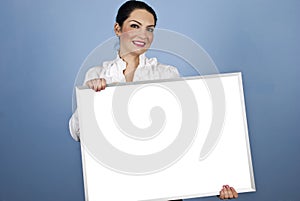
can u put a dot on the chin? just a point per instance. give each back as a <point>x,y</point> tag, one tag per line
<point>139,51</point>
<point>135,50</point>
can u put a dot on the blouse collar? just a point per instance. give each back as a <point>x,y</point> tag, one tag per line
<point>121,64</point>
<point>117,66</point>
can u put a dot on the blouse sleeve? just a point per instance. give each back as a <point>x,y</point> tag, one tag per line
<point>93,73</point>
<point>74,126</point>
<point>168,72</point>
<point>173,72</point>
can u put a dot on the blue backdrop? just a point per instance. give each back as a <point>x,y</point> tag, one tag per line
<point>43,44</point>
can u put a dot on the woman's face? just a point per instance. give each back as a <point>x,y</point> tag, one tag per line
<point>136,34</point>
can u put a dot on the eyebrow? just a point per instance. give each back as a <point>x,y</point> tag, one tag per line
<point>141,23</point>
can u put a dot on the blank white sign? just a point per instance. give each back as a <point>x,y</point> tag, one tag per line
<point>166,139</point>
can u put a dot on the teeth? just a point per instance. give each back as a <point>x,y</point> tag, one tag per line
<point>139,43</point>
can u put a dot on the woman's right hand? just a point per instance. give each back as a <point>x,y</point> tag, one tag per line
<point>97,84</point>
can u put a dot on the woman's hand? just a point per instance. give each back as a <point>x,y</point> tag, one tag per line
<point>228,192</point>
<point>97,84</point>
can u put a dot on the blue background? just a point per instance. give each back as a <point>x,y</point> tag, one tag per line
<point>43,44</point>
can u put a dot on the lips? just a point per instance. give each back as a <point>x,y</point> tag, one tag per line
<point>139,43</point>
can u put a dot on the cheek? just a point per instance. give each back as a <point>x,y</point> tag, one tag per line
<point>150,37</point>
<point>124,38</point>
<point>128,34</point>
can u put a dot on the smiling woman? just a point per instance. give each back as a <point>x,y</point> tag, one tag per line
<point>134,26</point>
<point>135,23</point>
<point>136,36</point>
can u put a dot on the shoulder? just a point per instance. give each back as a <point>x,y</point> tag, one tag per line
<point>165,71</point>
<point>168,70</point>
<point>94,72</point>
<point>99,71</point>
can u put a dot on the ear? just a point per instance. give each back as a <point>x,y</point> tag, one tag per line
<point>117,29</point>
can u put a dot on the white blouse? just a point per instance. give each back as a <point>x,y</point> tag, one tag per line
<point>112,71</point>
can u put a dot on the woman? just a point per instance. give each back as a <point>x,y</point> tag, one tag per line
<point>135,23</point>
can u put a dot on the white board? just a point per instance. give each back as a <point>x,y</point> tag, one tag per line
<point>166,139</point>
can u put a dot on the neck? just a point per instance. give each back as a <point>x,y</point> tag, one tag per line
<point>132,60</point>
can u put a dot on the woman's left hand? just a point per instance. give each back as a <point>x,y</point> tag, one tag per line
<point>228,192</point>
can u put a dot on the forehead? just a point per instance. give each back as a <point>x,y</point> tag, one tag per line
<point>142,16</point>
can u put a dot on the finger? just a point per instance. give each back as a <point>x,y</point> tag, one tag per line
<point>229,192</point>
<point>223,192</point>
<point>98,85</point>
<point>222,196</point>
<point>94,84</point>
<point>90,84</point>
<point>226,194</point>
<point>103,83</point>
<point>235,194</point>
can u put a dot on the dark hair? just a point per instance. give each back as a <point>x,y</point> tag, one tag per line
<point>129,6</point>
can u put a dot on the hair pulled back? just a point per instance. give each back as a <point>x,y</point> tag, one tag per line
<point>129,6</point>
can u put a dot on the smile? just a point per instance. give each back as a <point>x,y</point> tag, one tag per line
<point>139,43</point>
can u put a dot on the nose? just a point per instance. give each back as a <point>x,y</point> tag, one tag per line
<point>143,34</point>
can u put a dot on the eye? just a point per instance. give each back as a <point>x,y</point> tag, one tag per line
<point>150,29</point>
<point>135,26</point>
